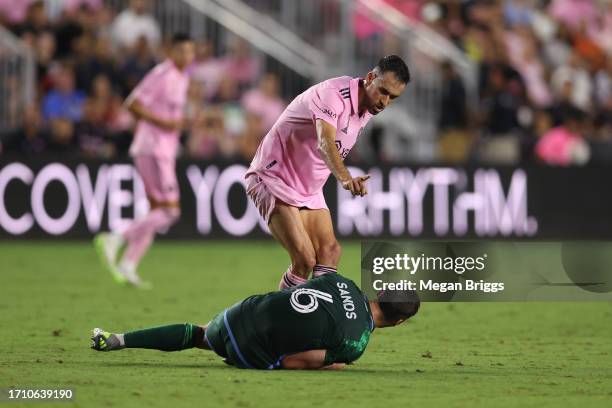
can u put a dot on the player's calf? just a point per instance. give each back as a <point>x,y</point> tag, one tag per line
<point>298,272</point>
<point>328,256</point>
<point>174,337</point>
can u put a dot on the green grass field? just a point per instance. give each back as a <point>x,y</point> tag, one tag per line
<point>450,355</point>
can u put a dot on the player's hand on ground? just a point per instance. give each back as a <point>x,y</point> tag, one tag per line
<point>357,185</point>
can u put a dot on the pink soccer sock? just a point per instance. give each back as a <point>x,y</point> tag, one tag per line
<point>320,270</point>
<point>140,233</point>
<point>290,280</point>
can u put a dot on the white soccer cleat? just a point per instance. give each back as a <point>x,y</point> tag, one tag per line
<point>128,272</point>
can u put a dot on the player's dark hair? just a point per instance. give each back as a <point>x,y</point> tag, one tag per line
<point>394,64</point>
<point>179,37</point>
<point>398,304</point>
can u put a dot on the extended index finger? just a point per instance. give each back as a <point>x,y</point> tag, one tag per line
<point>364,178</point>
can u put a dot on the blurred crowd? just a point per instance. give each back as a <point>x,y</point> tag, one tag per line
<point>545,72</point>
<point>544,88</point>
<point>88,59</point>
<point>544,69</point>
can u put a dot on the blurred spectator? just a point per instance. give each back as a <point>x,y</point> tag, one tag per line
<point>31,138</point>
<point>91,133</point>
<point>454,109</point>
<point>603,85</point>
<point>36,20</point>
<point>518,12</point>
<point>44,50</point>
<point>209,137</point>
<point>251,136</point>
<point>542,123</point>
<point>109,105</point>
<point>365,27</point>
<point>61,138</point>
<point>218,124</point>
<point>13,13</point>
<point>523,53</point>
<point>70,33</point>
<point>104,121</point>
<point>64,101</point>
<point>137,65</point>
<point>264,101</point>
<point>100,62</point>
<point>133,23</point>
<point>574,74</point>
<point>94,6</point>
<point>588,49</point>
<point>602,30</point>
<point>557,50</point>
<point>455,141</point>
<point>499,106</point>
<point>574,13</point>
<point>207,69</point>
<point>227,99</point>
<point>240,65</point>
<point>62,107</point>
<point>563,145</point>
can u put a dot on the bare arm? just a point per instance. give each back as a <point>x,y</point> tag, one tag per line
<point>326,145</point>
<point>142,113</point>
<point>309,360</point>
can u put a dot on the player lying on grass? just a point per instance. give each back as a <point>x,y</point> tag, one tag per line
<point>324,323</point>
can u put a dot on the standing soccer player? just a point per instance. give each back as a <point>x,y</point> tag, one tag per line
<point>309,141</point>
<point>157,102</point>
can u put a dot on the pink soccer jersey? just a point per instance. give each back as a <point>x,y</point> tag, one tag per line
<point>287,160</point>
<point>164,92</point>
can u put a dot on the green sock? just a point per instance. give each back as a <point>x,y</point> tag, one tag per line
<point>173,337</point>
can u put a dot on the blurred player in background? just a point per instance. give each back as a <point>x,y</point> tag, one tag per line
<point>325,323</point>
<point>309,141</point>
<point>157,102</point>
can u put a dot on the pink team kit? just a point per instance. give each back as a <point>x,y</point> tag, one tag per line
<point>164,92</point>
<point>287,165</point>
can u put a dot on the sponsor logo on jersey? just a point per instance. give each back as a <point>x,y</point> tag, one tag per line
<point>342,150</point>
<point>329,113</point>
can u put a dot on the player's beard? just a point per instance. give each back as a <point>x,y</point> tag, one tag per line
<point>374,110</point>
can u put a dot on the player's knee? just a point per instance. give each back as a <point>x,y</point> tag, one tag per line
<point>170,216</point>
<point>199,339</point>
<point>329,253</point>
<point>173,214</point>
<point>304,262</point>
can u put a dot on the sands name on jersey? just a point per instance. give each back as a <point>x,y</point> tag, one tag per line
<point>347,301</point>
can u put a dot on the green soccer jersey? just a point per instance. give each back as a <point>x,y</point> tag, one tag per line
<point>329,312</point>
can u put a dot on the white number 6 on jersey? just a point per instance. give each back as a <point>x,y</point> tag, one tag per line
<point>313,295</point>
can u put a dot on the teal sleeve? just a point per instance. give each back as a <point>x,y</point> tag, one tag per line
<point>348,350</point>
